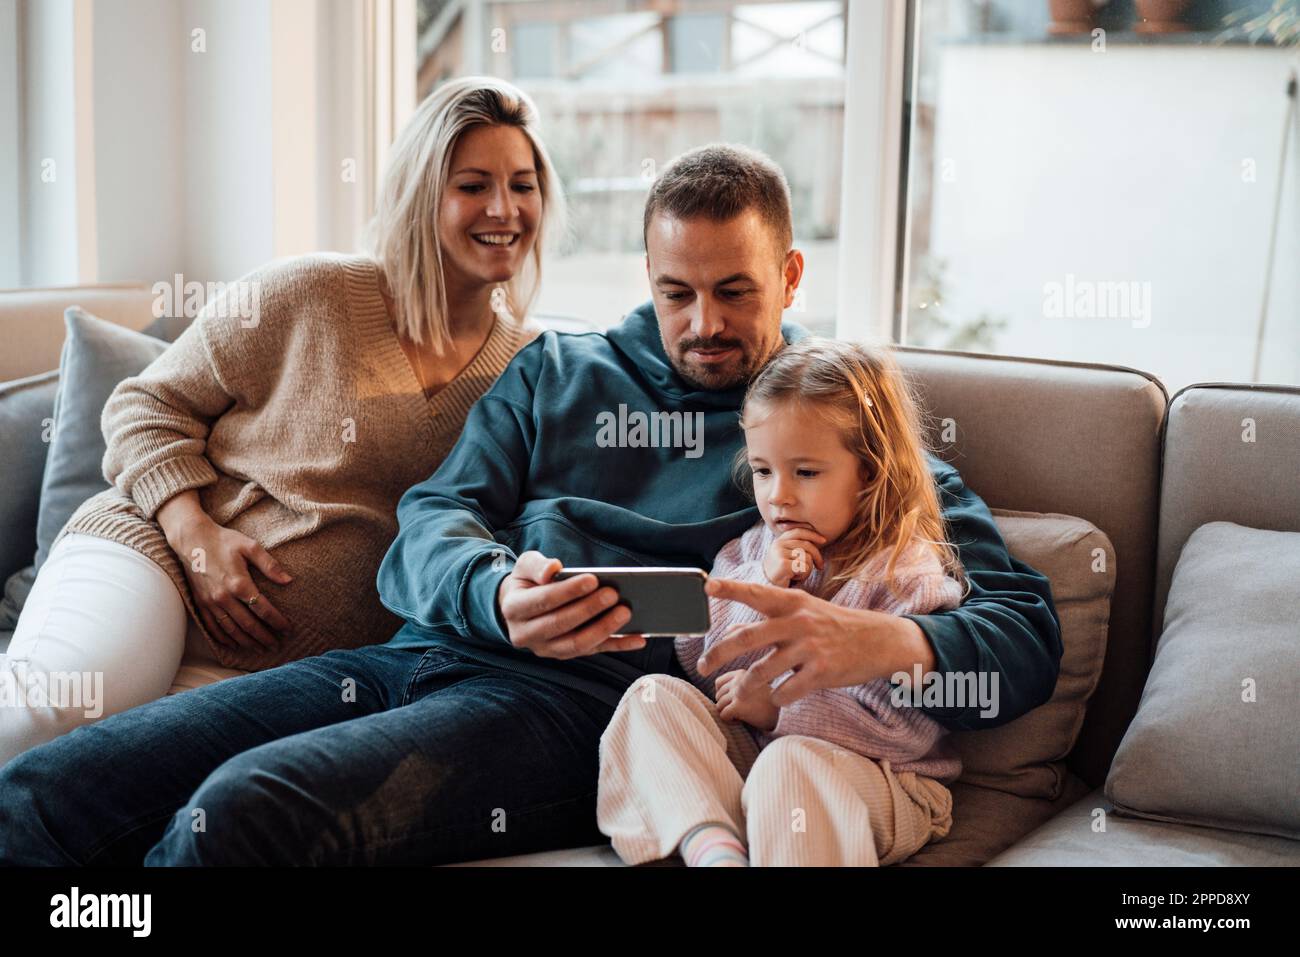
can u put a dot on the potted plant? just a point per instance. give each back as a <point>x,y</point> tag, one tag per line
<point>1073,16</point>
<point>1161,16</point>
<point>1280,22</point>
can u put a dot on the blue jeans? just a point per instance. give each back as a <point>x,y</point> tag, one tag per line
<point>365,756</point>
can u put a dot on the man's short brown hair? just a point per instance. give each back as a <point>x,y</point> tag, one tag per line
<point>720,181</point>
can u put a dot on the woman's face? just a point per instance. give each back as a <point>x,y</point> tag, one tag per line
<point>804,477</point>
<point>491,208</point>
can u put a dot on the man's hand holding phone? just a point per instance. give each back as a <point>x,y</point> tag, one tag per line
<point>564,619</point>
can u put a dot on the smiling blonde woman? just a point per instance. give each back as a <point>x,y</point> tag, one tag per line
<point>256,466</point>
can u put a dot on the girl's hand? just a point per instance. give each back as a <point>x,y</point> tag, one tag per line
<point>792,555</point>
<point>742,699</point>
<point>216,562</point>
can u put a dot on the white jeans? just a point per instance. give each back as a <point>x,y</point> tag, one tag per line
<point>103,630</point>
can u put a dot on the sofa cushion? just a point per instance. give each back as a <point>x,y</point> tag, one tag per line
<point>16,589</point>
<point>596,855</point>
<point>97,355</point>
<point>1214,739</point>
<point>1026,757</point>
<point>984,823</point>
<point>1090,834</point>
<point>1075,438</point>
<point>1230,456</point>
<point>26,425</point>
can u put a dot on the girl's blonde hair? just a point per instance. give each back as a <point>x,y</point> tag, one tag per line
<point>860,392</point>
<point>403,234</point>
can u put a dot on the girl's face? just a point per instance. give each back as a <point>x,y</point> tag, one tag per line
<point>803,474</point>
<point>491,207</point>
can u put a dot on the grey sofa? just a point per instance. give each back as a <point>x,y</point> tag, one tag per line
<point>1102,443</point>
<point>1106,444</point>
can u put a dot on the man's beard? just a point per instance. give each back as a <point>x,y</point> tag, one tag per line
<point>738,372</point>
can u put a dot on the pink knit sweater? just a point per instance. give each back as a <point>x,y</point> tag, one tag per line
<point>861,718</point>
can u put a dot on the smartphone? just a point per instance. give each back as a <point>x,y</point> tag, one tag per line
<point>664,601</point>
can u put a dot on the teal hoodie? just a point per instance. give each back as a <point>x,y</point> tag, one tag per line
<point>548,461</point>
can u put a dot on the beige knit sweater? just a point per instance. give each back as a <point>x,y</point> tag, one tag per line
<point>301,431</point>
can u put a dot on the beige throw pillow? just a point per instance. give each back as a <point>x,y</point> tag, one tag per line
<point>1026,757</point>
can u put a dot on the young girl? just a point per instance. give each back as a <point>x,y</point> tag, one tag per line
<point>843,776</point>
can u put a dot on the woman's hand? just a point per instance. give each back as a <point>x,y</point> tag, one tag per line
<point>741,698</point>
<point>216,562</point>
<point>791,556</point>
<point>827,645</point>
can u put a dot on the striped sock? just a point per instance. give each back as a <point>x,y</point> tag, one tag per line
<point>713,845</point>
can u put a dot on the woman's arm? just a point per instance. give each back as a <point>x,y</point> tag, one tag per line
<point>216,563</point>
<point>156,424</point>
<point>179,517</point>
<point>156,427</point>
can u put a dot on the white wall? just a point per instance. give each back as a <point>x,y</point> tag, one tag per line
<point>294,139</point>
<point>10,119</point>
<point>341,205</point>
<point>226,157</point>
<point>225,144</point>
<point>1126,165</point>
<point>200,157</point>
<point>139,149</point>
<point>48,209</point>
<point>162,155</point>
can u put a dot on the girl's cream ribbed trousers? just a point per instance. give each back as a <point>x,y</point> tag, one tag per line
<point>668,762</point>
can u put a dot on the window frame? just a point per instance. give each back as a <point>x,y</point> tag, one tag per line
<point>872,224</point>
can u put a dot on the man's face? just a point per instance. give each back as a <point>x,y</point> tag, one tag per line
<point>719,290</point>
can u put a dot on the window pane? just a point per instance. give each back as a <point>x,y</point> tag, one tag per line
<point>1106,196</point>
<point>697,42</point>
<point>626,47</point>
<point>533,54</point>
<point>629,87</point>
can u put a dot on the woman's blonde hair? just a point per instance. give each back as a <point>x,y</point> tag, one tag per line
<point>403,234</point>
<point>860,392</point>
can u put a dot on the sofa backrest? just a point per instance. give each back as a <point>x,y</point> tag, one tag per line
<point>31,321</point>
<point>1232,454</point>
<point>1078,438</point>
